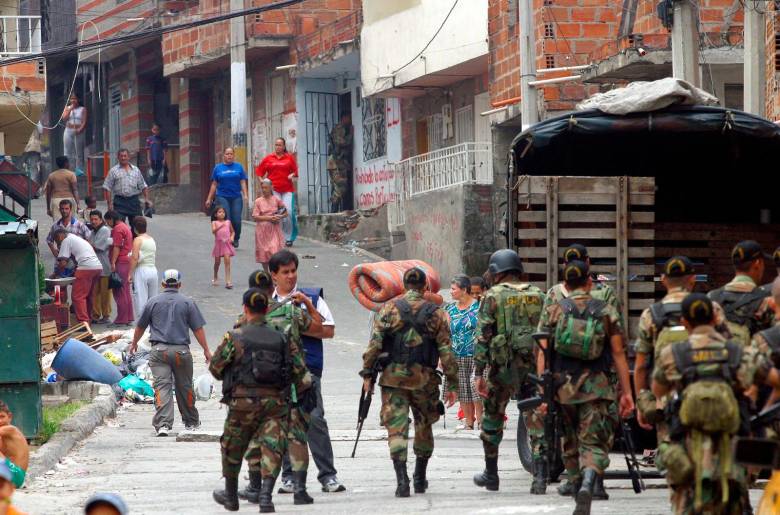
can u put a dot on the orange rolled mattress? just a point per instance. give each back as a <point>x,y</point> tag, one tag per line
<point>373,284</point>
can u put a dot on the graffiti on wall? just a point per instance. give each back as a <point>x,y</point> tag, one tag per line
<point>375,179</point>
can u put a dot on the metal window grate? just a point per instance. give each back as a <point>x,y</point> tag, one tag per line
<point>374,128</point>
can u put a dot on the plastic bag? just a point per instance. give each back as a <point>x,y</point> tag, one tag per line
<point>136,384</point>
<point>204,386</point>
<point>144,372</point>
<point>114,281</point>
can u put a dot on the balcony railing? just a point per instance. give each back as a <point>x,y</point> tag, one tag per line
<point>459,164</point>
<point>20,35</point>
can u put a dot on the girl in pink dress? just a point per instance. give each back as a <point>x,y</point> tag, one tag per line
<point>269,211</point>
<point>223,248</point>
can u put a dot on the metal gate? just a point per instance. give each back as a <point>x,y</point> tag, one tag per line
<point>322,114</point>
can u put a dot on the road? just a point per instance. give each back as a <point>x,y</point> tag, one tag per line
<point>163,476</point>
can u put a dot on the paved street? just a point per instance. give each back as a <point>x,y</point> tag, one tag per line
<point>160,475</point>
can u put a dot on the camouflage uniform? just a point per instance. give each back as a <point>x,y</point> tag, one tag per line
<point>557,293</point>
<point>414,386</point>
<point>508,368</point>
<point>262,419</point>
<point>585,399</point>
<point>292,321</point>
<point>667,374</point>
<point>764,315</point>
<point>339,163</point>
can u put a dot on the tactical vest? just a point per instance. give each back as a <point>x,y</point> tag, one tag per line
<point>314,354</point>
<point>667,320</point>
<point>708,401</point>
<point>772,337</point>
<point>740,309</point>
<point>517,306</point>
<point>422,351</point>
<point>264,363</point>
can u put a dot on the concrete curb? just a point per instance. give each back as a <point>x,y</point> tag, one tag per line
<point>76,428</point>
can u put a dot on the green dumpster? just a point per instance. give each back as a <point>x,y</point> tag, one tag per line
<point>20,325</point>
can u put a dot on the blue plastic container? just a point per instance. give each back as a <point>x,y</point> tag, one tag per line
<point>76,360</point>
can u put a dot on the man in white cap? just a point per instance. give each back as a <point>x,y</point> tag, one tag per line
<point>170,317</point>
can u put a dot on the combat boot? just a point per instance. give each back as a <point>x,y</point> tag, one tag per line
<point>402,490</point>
<point>252,490</point>
<point>488,478</point>
<point>539,483</point>
<point>299,495</point>
<point>420,482</point>
<point>266,493</point>
<point>585,493</point>
<point>569,488</point>
<point>599,492</point>
<point>229,496</point>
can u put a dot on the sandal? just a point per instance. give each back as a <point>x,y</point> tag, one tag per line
<point>214,282</point>
<point>229,286</point>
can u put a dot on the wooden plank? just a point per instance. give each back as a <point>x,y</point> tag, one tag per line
<point>604,234</point>
<point>639,304</point>
<point>535,268</point>
<point>641,287</point>
<point>607,217</point>
<point>621,226</point>
<point>531,216</point>
<point>524,199</point>
<point>594,252</point>
<point>552,230</point>
<point>532,234</point>
<point>589,184</point>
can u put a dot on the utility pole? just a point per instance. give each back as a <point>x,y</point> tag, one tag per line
<point>238,115</point>
<point>685,42</point>
<point>755,57</point>
<point>529,109</point>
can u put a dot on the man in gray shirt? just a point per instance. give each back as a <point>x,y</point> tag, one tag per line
<point>171,316</point>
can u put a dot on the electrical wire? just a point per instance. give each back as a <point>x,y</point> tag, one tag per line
<point>429,41</point>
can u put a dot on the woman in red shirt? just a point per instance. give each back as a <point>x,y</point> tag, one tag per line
<point>281,168</point>
<point>121,246</point>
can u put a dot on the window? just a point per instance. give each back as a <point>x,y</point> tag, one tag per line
<point>435,132</point>
<point>464,125</point>
<point>549,61</point>
<point>549,31</point>
<point>374,128</point>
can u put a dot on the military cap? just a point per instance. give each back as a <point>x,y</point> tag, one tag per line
<point>255,299</point>
<point>776,257</point>
<point>575,252</point>
<point>678,266</point>
<point>746,251</point>
<point>575,270</point>
<point>260,279</point>
<point>697,308</point>
<point>415,276</point>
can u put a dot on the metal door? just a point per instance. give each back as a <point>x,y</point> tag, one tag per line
<point>322,115</point>
<point>114,121</point>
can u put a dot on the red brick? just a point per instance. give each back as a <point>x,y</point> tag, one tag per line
<point>30,84</point>
<point>598,30</point>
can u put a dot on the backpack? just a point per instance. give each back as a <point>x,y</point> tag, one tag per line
<point>708,403</point>
<point>772,337</point>
<point>669,329</point>
<point>740,309</point>
<point>412,343</point>
<point>581,334</point>
<point>518,308</point>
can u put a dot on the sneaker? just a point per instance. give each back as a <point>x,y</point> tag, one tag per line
<point>333,485</point>
<point>190,429</point>
<point>286,487</point>
<point>163,431</point>
<point>464,427</point>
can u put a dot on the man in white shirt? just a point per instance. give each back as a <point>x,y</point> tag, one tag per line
<point>284,271</point>
<point>88,270</point>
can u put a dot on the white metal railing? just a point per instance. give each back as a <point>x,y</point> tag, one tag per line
<point>459,164</point>
<point>20,35</point>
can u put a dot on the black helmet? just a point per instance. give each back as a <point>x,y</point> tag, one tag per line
<point>505,260</point>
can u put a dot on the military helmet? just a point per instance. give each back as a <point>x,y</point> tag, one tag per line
<point>505,260</point>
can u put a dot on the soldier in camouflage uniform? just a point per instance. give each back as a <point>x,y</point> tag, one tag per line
<point>415,334</point>
<point>701,471</point>
<point>508,316</point>
<point>340,162</point>
<point>746,306</point>
<point>585,389</point>
<point>603,291</point>
<point>292,321</point>
<point>257,367</point>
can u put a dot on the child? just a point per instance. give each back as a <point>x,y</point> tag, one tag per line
<point>14,451</point>
<point>478,288</point>
<point>91,205</point>
<point>155,156</point>
<point>223,248</point>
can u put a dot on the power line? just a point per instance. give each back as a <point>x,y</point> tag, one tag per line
<point>431,40</point>
<point>148,33</point>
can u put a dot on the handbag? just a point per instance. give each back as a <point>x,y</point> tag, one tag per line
<point>114,281</point>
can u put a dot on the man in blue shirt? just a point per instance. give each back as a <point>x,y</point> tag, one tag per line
<point>229,187</point>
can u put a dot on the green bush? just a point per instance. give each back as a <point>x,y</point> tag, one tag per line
<point>54,416</point>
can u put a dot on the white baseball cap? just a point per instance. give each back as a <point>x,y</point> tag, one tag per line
<point>171,277</point>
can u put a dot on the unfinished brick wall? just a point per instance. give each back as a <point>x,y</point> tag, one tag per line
<point>772,68</point>
<point>22,78</point>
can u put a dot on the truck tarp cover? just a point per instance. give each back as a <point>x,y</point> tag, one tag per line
<point>693,139</point>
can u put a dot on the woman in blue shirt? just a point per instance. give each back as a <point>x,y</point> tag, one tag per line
<point>229,185</point>
<point>463,328</point>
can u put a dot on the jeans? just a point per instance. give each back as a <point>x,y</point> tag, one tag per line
<point>234,209</point>
<point>74,147</point>
<point>157,173</point>
<point>290,223</point>
<point>319,441</point>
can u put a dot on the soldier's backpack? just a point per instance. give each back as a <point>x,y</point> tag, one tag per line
<point>518,308</point>
<point>580,334</point>
<point>772,337</point>
<point>708,403</point>
<point>667,320</point>
<point>740,309</point>
<point>413,343</point>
